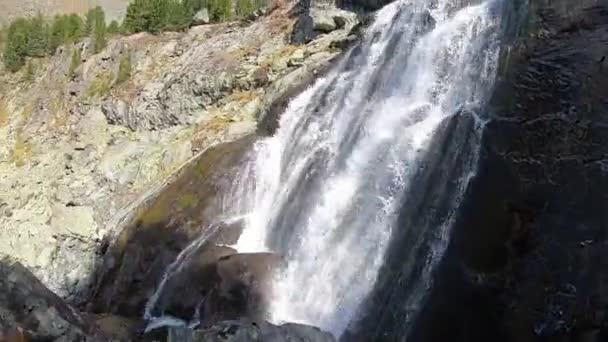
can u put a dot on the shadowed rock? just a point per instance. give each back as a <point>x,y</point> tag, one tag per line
<point>30,311</point>
<point>246,331</point>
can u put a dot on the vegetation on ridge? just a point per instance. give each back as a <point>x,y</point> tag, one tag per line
<point>38,36</point>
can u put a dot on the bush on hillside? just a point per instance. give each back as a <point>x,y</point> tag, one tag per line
<point>75,62</point>
<point>15,51</point>
<point>158,15</point>
<point>37,42</point>
<point>113,28</point>
<point>38,37</point>
<point>124,68</point>
<point>95,27</point>
<point>65,29</point>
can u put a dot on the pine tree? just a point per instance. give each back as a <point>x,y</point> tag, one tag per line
<point>16,45</point>
<point>37,42</point>
<point>178,16</point>
<point>99,31</point>
<point>75,27</point>
<point>124,68</point>
<point>220,10</point>
<point>57,34</point>
<point>75,62</point>
<point>137,16</point>
<point>113,28</point>
<point>89,22</point>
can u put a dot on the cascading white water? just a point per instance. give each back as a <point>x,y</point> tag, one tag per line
<point>325,190</point>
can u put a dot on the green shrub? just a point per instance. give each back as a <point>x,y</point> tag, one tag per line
<point>37,42</point>
<point>161,15</point>
<point>124,68</point>
<point>30,72</point>
<point>15,51</point>
<point>244,8</point>
<point>95,27</point>
<point>220,10</point>
<point>75,62</point>
<point>65,29</point>
<point>113,28</point>
<point>100,87</point>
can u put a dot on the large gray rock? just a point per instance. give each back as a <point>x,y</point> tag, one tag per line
<point>29,311</point>
<point>201,17</point>
<point>249,331</point>
<point>282,91</point>
<point>323,21</point>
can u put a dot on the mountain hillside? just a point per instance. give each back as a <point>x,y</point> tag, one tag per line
<point>10,9</point>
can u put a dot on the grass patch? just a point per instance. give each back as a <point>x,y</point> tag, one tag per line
<point>124,68</point>
<point>156,214</point>
<point>27,111</point>
<point>100,87</point>
<point>187,201</point>
<point>4,115</point>
<point>22,151</point>
<point>244,96</point>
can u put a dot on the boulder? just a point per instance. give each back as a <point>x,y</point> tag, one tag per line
<point>166,223</point>
<point>283,90</point>
<point>187,289</point>
<point>323,21</point>
<point>250,331</point>
<point>118,113</point>
<point>245,282</point>
<point>201,17</point>
<point>30,311</point>
<point>303,30</point>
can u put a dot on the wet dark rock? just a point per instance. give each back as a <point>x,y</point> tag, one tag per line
<point>187,290</point>
<point>250,331</point>
<point>30,311</point>
<point>367,5</point>
<point>118,328</point>
<point>303,30</point>
<point>166,224</point>
<point>520,266</point>
<point>244,286</point>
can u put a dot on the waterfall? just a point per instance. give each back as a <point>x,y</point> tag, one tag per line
<point>327,188</point>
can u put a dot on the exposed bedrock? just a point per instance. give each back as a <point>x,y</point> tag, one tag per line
<point>528,257</point>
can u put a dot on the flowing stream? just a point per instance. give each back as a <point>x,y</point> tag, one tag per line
<point>326,189</point>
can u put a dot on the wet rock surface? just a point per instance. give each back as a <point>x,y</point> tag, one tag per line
<point>29,311</point>
<point>528,255</point>
<point>250,331</point>
<point>161,228</point>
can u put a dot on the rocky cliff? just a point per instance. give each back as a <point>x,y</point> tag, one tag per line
<point>528,260</point>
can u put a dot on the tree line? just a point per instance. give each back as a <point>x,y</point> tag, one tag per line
<point>39,36</point>
<point>173,15</point>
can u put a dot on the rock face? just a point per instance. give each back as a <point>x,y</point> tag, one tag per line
<point>247,331</point>
<point>528,258</point>
<point>153,236</point>
<point>29,311</point>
